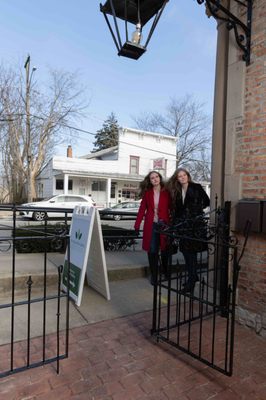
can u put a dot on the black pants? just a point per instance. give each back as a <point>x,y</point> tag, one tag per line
<point>153,255</point>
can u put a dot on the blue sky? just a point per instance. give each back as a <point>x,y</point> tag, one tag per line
<point>73,36</point>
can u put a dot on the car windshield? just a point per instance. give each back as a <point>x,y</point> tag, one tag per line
<point>117,206</point>
<point>47,199</point>
<point>126,205</point>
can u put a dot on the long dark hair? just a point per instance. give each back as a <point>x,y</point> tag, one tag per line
<point>146,183</point>
<point>174,187</point>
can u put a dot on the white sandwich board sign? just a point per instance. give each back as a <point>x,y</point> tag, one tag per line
<point>87,256</point>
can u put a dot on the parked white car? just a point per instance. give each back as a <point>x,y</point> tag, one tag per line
<point>59,201</point>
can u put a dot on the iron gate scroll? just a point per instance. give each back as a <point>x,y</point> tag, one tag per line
<point>34,312</point>
<point>201,322</point>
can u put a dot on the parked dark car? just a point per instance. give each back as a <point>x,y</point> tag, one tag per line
<point>124,207</point>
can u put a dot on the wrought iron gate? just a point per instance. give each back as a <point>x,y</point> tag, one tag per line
<point>200,322</point>
<point>34,312</point>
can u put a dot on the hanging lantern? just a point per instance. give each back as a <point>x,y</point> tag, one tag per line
<point>138,13</point>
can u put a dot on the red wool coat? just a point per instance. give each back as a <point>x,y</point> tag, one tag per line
<point>146,211</point>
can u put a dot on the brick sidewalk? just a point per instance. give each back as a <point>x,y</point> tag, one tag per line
<point>118,360</point>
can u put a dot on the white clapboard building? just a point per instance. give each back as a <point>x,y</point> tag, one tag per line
<point>111,175</point>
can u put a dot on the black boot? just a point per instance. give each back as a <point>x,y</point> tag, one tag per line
<point>153,263</point>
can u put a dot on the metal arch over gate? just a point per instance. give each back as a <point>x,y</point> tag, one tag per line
<point>201,322</point>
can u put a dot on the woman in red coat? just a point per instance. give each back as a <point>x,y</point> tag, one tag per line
<point>154,208</point>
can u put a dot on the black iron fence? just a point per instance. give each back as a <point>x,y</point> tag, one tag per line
<point>199,319</point>
<point>118,239</point>
<point>58,221</point>
<point>34,312</point>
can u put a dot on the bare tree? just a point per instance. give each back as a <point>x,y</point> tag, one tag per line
<point>200,169</point>
<point>32,123</point>
<point>186,120</point>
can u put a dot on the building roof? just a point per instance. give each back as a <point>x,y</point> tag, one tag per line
<point>100,175</point>
<point>174,138</point>
<point>100,153</point>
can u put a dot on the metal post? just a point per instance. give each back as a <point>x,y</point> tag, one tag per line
<point>27,104</point>
<point>28,131</point>
<point>224,259</point>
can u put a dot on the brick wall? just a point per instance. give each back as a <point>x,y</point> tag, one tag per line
<point>250,163</point>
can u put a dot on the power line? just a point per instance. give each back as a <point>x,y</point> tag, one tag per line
<point>79,130</point>
<point>129,144</point>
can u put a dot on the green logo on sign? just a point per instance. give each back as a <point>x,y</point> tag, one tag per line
<point>78,234</point>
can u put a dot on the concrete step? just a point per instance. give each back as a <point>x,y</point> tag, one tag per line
<point>21,286</point>
<point>119,267</point>
<point>126,272</point>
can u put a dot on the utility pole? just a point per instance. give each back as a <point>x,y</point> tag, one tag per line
<point>28,131</point>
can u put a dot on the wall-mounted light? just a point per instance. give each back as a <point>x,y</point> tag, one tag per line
<point>138,13</point>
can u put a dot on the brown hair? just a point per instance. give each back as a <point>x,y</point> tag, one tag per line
<point>174,187</point>
<point>146,183</point>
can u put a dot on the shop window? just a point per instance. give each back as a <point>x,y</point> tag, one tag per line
<point>129,194</point>
<point>98,186</point>
<point>113,184</point>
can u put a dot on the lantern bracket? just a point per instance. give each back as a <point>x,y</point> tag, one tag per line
<point>242,30</point>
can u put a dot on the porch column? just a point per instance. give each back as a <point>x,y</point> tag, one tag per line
<point>108,192</point>
<point>65,183</point>
<point>219,115</point>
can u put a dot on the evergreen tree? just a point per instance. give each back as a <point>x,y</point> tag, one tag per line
<point>108,135</point>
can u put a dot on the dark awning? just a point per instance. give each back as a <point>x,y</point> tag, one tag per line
<point>148,8</point>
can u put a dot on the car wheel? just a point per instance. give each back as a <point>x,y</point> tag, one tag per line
<point>117,217</point>
<point>39,215</point>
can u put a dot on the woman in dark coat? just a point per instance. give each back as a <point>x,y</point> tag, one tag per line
<point>154,208</point>
<point>189,200</point>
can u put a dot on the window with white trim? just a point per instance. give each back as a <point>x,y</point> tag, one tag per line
<point>134,165</point>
